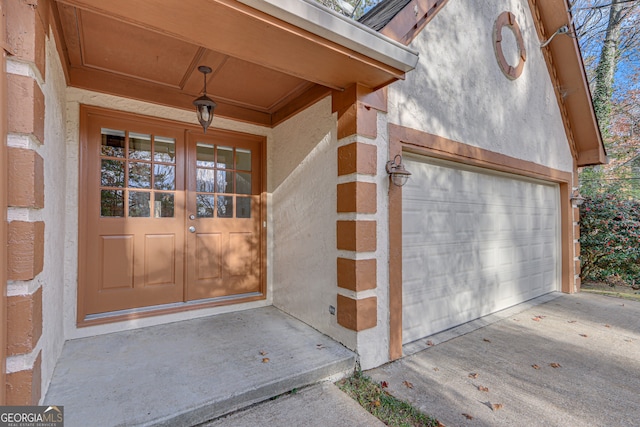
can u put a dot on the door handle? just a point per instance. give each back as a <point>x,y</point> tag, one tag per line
<point>192,229</point>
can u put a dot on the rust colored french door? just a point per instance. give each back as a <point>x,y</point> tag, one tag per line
<point>166,216</point>
<point>223,215</point>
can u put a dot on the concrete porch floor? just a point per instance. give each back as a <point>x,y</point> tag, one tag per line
<point>189,372</point>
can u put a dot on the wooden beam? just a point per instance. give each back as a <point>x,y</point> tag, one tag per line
<point>566,69</point>
<point>113,84</point>
<point>305,100</point>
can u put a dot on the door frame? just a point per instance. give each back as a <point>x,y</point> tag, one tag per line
<point>83,235</point>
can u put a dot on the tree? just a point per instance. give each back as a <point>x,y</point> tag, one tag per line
<point>609,35</point>
<point>622,14</point>
<point>609,235</point>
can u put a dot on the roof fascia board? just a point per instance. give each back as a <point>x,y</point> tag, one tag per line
<point>412,19</point>
<point>321,21</point>
<point>566,68</point>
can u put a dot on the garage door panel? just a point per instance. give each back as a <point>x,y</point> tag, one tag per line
<point>474,242</point>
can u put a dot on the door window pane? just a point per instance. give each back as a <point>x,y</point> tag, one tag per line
<point>112,203</point>
<point>204,155</point>
<point>163,205</point>
<point>139,175</point>
<point>243,183</point>
<point>142,161</point>
<point>224,182</point>
<point>243,159</point>
<point>112,142</point>
<point>164,177</point>
<point>164,149</point>
<point>112,173</point>
<point>225,157</point>
<point>205,205</point>
<point>225,206</point>
<point>139,204</point>
<point>139,146</point>
<point>243,207</point>
<point>205,180</point>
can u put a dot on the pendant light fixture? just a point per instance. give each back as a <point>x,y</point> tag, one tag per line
<point>204,104</point>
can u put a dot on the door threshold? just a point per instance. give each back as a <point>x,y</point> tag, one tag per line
<point>176,307</point>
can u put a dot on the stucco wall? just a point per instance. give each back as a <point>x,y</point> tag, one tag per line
<point>74,98</point>
<point>302,182</point>
<point>54,155</point>
<point>458,91</point>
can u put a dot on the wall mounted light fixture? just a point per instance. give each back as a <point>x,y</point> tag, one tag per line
<point>204,104</point>
<point>576,198</point>
<point>397,172</point>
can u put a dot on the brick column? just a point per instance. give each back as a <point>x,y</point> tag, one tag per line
<point>356,234</point>
<point>27,26</point>
<point>3,204</point>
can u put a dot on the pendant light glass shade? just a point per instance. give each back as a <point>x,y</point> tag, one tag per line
<point>204,104</point>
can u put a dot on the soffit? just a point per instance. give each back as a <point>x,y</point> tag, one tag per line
<point>151,49</point>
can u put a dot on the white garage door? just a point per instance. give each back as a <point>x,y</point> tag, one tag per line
<point>474,242</point>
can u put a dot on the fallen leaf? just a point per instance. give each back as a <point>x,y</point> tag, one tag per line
<point>263,353</point>
<point>535,366</point>
<point>486,340</point>
<point>583,335</point>
<point>538,318</point>
<point>481,388</point>
<point>467,416</point>
<point>473,375</point>
<point>376,403</point>
<point>407,383</point>
<point>440,424</point>
<point>555,365</point>
<point>430,343</point>
<point>384,384</point>
<point>607,326</point>
<point>571,321</point>
<point>496,406</point>
<point>265,360</point>
<point>436,369</point>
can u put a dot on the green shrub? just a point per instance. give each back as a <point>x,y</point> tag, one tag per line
<point>610,238</point>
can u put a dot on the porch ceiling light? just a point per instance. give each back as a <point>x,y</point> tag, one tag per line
<point>397,172</point>
<point>204,104</point>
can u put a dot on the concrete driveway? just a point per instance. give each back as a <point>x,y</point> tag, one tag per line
<point>573,361</point>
